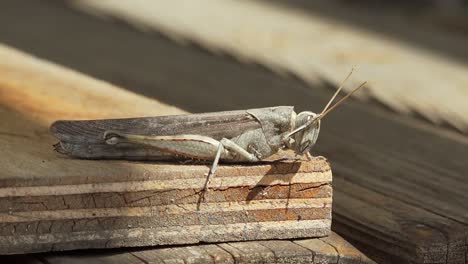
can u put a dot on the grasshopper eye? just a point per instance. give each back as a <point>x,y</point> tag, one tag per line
<point>111,137</point>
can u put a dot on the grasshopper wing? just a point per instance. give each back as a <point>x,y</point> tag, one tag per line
<point>85,138</point>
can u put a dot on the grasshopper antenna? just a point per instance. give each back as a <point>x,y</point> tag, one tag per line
<point>327,110</point>
<point>323,114</point>
<point>337,91</point>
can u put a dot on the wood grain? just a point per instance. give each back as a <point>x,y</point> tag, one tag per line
<point>400,229</point>
<point>334,250</point>
<point>103,258</point>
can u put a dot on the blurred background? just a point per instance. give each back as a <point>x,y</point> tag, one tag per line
<point>413,54</point>
<point>404,137</point>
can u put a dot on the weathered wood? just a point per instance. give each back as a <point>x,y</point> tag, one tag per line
<point>324,252</point>
<point>185,255</point>
<point>333,249</point>
<point>367,146</point>
<point>345,251</point>
<point>91,258</point>
<point>318,251</point>
<point>401,229</point>
<point>53,202</point>
<point>249,252</point>
<point>288,252</point>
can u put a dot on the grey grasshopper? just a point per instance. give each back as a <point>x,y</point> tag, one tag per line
<point>231,136</point>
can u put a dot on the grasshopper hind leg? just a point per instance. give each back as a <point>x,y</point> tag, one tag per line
<point>190,146</point>
<point>187,146</point>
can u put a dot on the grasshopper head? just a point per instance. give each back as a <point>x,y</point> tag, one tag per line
<point>307,128</point>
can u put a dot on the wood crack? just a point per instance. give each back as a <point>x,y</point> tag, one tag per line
<point>334,247</point>
<point>230,254</point>
<point>313,253</point>
<point>312,187</point>
<point>140,258</point>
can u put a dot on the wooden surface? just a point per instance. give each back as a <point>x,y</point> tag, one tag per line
<point>67,200</point>
<point>49,201</point>
<point>399,185</point>
<point>332,249</point>
<point>313,47</point>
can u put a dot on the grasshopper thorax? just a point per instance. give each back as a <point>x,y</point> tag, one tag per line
<point>305,132</point>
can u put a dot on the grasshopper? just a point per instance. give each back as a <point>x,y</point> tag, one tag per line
<point>230,136</point>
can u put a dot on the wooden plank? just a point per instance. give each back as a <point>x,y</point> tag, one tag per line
<point>272,251</point>
<point>185,255</point>
<point>288,252</point>
<point>283,35</point>
<point>402,230</point>
<point>345,251</point>
<point>334,250</point>
<point>432,180</point>
<point>53,202</point>
<point>91,258</point>
<point>249,252</point>
<point>324,252</point>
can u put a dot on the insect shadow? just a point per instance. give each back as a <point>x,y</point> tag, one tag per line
<point>273,183</point>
